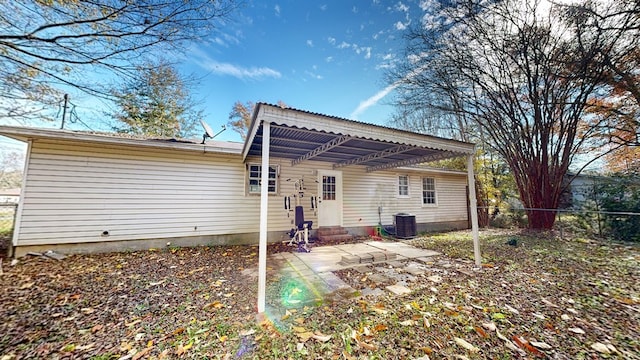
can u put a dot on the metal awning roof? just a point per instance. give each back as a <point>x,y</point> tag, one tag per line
<point>300,135</point>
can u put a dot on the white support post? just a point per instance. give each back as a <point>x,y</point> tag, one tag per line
<point>264,207</point>
<point>473,210</point>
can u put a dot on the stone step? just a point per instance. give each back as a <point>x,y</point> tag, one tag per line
<point>370,257</point>
<point>335,237</point>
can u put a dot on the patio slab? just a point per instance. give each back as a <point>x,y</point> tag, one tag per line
<point>316,268</point>
<point>402,249</point>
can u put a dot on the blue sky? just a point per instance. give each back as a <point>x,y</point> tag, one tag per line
<point>327,57</point>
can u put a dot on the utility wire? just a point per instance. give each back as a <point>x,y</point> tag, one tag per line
<point>73,115</point>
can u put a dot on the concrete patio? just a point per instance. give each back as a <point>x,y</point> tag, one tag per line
<point>316,269</point>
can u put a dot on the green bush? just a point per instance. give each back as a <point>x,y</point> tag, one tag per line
<point>622,195</point>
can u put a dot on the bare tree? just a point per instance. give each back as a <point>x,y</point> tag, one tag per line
<point>11,164</point>
<point>47,46</point>
<point>522,75</point>
<point>240,116</point>
<point>616,109</point>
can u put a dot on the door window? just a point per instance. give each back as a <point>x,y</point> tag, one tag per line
<point>328,188</point>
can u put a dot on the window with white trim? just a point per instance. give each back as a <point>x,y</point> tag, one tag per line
<point>255,177</point>
<point>429,191</point>
<point>403,186</point>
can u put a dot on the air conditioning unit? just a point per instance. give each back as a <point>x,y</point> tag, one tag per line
<point>405,226</point>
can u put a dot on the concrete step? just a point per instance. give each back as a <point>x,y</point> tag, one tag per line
<point>331,230</point>
<point>335,237</point>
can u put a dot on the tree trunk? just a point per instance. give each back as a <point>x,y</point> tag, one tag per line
<point>541,220</point>
<point>539,195</point>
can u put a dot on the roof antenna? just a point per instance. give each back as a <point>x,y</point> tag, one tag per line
<point>208,132</point>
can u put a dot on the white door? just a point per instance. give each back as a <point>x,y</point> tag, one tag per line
<point>329,198</point>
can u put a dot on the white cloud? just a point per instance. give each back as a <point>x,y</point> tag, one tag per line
<point>329,59</point>
<point>277,10</point>
<point>331,40</point>
<point>313,75</point>
<point>310,43</point>
<point>323,7</point>
<point>354,9</point>
<point>373,100</point>
<point>228,69</point>
<point>240,72</point>
<point>225,40</point>
<point>402,7</point>
<point>400,26</point>
<point>344,45</point>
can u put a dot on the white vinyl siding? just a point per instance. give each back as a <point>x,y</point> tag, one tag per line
<point>75,191</point>
<point>365,192</point>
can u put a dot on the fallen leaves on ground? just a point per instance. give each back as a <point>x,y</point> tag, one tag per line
<point>547,298</point>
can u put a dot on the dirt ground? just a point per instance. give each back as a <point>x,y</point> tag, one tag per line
<point>543,298</point>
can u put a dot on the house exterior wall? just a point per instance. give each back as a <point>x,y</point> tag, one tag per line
<point>119,197</point>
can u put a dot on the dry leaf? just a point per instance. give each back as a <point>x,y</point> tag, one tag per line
<point>601,348</point>
<point>97,328</point>
<point>466,345</point>
<point>216,305</point>
<point>576,330</point>
<point>141,353</point>
<point>304,336</point>
<point>321,337</point>
<point>132,323</point>
<point>539,316</point>
<point>511,309</point>
<point>299,329</point>
<point>380,327</point>
<point>481,332</point>
<point>380,309</point>
<point>366,346</point>
<point>247,332</point>
<point>521,342</point>
<point>426,322</point>
<point>513,347</point>
<point>408,323</point>
<point>489,326</point>
<point>183,349</point>
<point>540,345</point>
